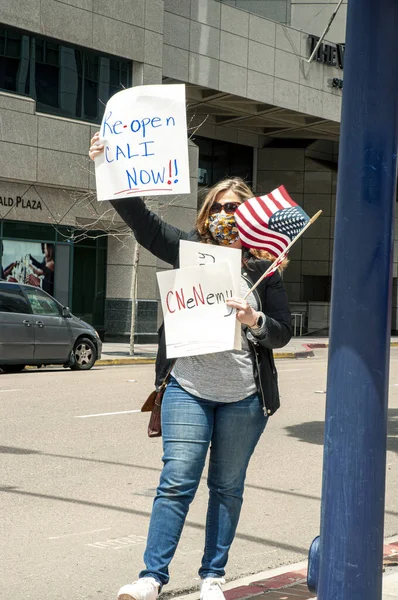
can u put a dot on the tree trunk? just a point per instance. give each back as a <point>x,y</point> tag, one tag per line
<point>136,256</point>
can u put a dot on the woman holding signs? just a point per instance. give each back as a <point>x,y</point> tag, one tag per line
<point>216,401</point>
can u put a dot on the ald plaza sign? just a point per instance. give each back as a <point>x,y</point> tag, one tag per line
<point>20,202</point>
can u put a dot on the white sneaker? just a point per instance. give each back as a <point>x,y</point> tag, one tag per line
<point>210,588</point>
<point>145,588</point>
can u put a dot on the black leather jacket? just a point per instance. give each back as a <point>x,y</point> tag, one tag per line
<point>162,240</point>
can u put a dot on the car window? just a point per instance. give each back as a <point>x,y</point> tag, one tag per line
<point>42,304</point>
<point>12,300</point>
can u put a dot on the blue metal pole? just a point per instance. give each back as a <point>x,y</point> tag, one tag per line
<point>352,515</point>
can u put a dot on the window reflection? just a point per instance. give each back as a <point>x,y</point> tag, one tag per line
<point>63,79</point>
<point>219,159</point>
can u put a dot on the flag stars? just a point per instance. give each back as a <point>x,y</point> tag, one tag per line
<point>275,212</point>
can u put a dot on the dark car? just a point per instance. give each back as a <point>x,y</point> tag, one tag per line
<point>35,329</point>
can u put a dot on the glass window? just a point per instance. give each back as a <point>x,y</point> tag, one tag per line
<point>218,159</point>
<point>91,83</point>
<point>61,278</point>
<point>12,300</point>
<point>42,304</point>
<point>46,74</point>
<point>317,288</point>
<point>28,231</point>
<point>63,79</point>
<point>14,60</point>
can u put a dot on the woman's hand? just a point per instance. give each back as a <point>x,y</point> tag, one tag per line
<point>244,312</point>
<point>95,149</point>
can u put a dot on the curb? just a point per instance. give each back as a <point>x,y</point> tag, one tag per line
<point>137,360</point>
<point>308,352</point>
<point>295,581</point>
<point>147,360</point>
<point>291,580</point>
<point>299,354</point>
<point>317,345</point>
<point>140,360</point>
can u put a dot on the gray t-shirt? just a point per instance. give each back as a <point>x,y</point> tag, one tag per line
<point>221,376</point>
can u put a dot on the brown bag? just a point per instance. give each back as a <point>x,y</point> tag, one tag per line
<point>154,404</point>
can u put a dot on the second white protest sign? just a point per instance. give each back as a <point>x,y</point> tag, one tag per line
<point>196,318</point>
<point>197,253</point>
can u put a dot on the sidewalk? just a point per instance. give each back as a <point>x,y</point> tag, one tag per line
<point>119,353</point>
<point>290,583</point>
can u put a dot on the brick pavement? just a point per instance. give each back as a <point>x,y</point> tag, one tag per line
<point>292,585</point>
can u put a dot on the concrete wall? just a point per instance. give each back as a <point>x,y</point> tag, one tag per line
<point>37,148</point>
<point>223,48</point>
<point>201,42</point>
<point>128,29</point>
<point>313,16</point>
<point>312,186</point>
<point>277,10</point>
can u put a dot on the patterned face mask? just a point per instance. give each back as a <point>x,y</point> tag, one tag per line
<point>223,228</point>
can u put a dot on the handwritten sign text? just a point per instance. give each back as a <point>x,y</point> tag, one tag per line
<point>196,318</point>
<point>144,132</point>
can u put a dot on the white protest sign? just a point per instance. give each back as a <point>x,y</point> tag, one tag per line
<point>144,132</point>
<point>196,253</point>
<point>196,318</point>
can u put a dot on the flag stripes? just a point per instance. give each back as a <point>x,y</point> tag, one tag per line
<point>270,222</point>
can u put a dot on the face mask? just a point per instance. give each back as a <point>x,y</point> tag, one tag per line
<point>223,228</point>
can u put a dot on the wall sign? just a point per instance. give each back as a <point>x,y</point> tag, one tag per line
<point>20,202</point>
<point>328,54</point>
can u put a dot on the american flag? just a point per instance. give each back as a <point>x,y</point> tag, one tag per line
<point>270,222</point>
<point>276,264</point>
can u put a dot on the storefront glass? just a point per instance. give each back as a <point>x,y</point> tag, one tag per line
<point>49,258</point>
<point>219,159</point>
<point>29,262</point>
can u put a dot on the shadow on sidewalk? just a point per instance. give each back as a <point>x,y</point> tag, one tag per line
<point>312,432</point>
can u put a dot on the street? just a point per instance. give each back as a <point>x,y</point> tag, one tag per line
<point>79,475</point>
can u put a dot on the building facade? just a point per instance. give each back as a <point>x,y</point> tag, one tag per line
<point>255,108</point>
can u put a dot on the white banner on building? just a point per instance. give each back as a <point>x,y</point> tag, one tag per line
<point>196,318</point>
<point>144,131</point>
<point>195,253</point>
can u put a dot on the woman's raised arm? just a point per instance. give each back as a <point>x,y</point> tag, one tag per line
<point>160,238</point>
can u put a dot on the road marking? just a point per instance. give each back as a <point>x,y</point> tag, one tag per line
<point>119,543</point>
<point>132,380</point>
<point>58,537</point>
<point>121,412</point>
<point>15,390</point>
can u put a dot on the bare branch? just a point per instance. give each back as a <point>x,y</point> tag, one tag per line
<point>195,128</point>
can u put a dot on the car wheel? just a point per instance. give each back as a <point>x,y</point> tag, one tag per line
<point>12,368</point>
<point>84,355</point>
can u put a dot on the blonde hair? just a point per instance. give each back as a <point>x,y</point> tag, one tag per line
<point>241,189</point>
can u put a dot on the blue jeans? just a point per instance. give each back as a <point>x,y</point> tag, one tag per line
<point>189,426</point>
